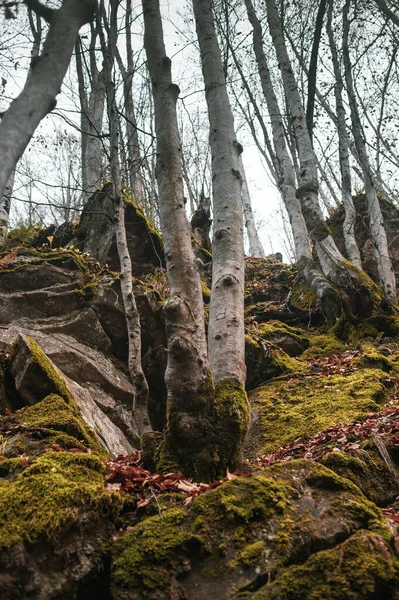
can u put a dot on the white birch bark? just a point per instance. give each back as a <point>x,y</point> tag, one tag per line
<point>188,369</point>
<point>286,182</point>
<point>255,245</point>
<point>140,385</point>
<point>344,163</point>
<point>307,192</point>
<point>5,205</point>
<point>92,104</point>
<point>43,84</point>
<point>226,318</point>
<point>376,224</point>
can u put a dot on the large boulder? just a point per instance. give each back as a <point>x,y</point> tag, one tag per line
<point>96,234</point>
<point>56,515</point>
<point>36,376</point>
<point>247,537</point>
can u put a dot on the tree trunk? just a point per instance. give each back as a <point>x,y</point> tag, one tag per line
<point>226,335</point>
<point>346,180</point>
<point>388,12</point>
<point>312,274</point>
<point>255,245</point>
<point>92,115</point>
<point>333,264</point>
<point>191,437</point>
<point>5,206</point>
<point>376,223</point>
<point>313,66</point>
<point>226,320</point>
<point>43,84</point>
<point>137,376</point>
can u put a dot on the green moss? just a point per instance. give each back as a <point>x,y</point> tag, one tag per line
<point>152,552</point>
<point>286,364</point>
<point>366,469</point>
<point>55,422</point>
<point>373,359</point>
<point>128,200</point>
<point>251,553</point>
<point>271,329</point>
<point>204,433</point>
<point>304,406</point>
<point>49,494</point>
<point>259,523</point>
<point>362,567</point>
<point>206,292</point>
<point>149,558</point>
<point>87,291</point>
<point>323,345</point>
<point>24,235</point>
<point>39,357</point>
<point>303,296</point>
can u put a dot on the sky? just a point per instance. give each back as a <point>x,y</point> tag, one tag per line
<point>265,197</point>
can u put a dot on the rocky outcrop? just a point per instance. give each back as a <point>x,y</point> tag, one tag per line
<point>251,537</point>
<point>390,214</point>
<point>96,234</point>
<point>56,517</point>
<point>295,529</point>
<point>73,310</point>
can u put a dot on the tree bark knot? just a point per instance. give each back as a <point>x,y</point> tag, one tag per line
<point>307,188</point>
<point>228,280</point>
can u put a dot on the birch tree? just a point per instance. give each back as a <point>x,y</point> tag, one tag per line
<point>343,149</point>
<point>92,107</point>
<point>331,260</point>
<point>140,385</point>
<point>255,245</point>
<point>226,322</point>
<point>286,180</point>
<point>206,420</point>
<point>376,223</point>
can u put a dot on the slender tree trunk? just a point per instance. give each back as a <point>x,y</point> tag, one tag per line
<point>140,385</point>
<point>313,66</point>
<point>346,180</point>
<point>255,245</point>
<point>382,5</point>
<point>376,223</point>
<point>312,274</point>
<point>43,84</point>
<point>226,320</point>
<point>92,115</point>
<point>5,206</point>
<point>333,264</point>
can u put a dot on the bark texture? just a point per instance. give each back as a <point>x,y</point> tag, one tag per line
<point>92,115</point>
<point>226,319</point>
<point>193,438</point>
<point>344,163</point>
<point>5,205</point>
<point>43,84</point>
<point>286,182</point>
<point>140,385</point>
<point>255,245</point>
<point>377,230</point>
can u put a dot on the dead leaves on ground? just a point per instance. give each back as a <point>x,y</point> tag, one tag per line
<point>126,474</point>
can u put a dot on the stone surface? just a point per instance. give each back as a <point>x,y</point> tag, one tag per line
<point>96,234</point>
<point>34,381</point>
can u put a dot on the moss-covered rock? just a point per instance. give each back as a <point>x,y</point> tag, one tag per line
<point>249,526</point>
<point>56,515</point>
<point>288,408</point>
<point>51,421</point>
<point>363,567</point>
